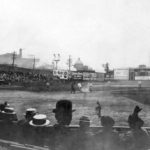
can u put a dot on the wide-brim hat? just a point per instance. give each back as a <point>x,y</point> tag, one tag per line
<point>66,105</point>
<point>9,114</point>
<point>39,120</point>
<point>9,110</point>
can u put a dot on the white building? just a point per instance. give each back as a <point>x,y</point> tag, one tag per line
<point>121,74</point>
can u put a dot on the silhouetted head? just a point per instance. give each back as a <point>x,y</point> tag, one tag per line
<point>84,122</point>
<point>63,112</point>
<point>134,120</point>
<point>107,122</point>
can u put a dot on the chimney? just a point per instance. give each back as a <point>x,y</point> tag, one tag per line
<point>20,52</point>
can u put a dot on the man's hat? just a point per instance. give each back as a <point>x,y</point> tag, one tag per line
<point>85,119</point>
<point>66,105</point>
<point>137,109</point>
<point>107,121</point>
<point>9,110</point>
<point>39,120</point>
<point>30,112</point>
<point>9,114</point>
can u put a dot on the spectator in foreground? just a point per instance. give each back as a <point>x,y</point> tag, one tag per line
<point>39,124</point>
<point>23,124</point>
<point>107,138</point>
<point>63,113</point>
<point>137,138</point>
<point>8,123</point>
<point>84,123</point>
<point>83,137</point>
<point>61,134</point>
<point>2,106</point>
<point>30,112</point>
<point>9,114</point>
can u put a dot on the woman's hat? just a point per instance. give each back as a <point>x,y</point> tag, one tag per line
<point>39,120</point>
<point>66,105</point>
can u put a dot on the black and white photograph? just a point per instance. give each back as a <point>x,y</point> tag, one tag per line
<point>74,75</point>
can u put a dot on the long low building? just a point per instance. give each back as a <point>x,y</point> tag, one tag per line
<point>140,73</point>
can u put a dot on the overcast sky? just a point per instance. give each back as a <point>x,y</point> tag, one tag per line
<point>97,31</point>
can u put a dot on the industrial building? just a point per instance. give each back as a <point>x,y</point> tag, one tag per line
<point>18,60</point>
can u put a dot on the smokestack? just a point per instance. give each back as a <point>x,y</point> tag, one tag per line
<point>20,52</point>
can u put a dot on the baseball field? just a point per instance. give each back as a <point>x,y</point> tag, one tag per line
<point>117,100</point>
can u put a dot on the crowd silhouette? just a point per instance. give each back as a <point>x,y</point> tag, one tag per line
<point>36,129</point>
<point>9,76</point>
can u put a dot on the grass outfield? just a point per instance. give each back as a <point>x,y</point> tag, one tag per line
<point>117,105</point>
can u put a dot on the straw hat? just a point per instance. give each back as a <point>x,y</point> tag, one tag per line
<point>39,120</point>
<point>9,114</point>
<point>9,110</point>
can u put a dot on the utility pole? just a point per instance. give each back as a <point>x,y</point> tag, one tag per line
<point>69,63</point>
<point>13,59</point>
<point>34,63</point>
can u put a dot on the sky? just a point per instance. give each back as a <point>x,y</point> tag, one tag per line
<point>96,31</point>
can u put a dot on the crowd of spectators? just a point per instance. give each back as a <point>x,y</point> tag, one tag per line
<point>23,77</point>
<point>34,127</point>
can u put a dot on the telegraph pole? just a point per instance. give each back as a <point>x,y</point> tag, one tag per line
<point>13,59</point>
<point>69,63</point>
<point>34,63</point>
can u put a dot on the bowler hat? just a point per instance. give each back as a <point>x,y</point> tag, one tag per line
<point>39,120</point>
<point>66,105</point>
<point>30,111</point>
